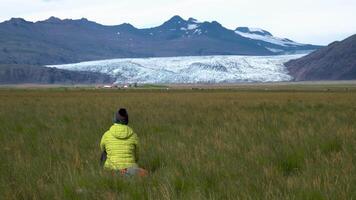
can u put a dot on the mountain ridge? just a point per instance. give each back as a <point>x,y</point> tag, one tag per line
<point>57,41</point>
<point>337,61</point>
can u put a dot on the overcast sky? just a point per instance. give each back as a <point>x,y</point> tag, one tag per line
<point>308,21</point>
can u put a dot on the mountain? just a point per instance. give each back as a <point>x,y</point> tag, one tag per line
<point>272,43</point>
<point>56,41</point>
<point>192,69</point>
<point>337,61</point>
<point>18,74</point>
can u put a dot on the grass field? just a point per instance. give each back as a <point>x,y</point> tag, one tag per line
<point>197,144</point>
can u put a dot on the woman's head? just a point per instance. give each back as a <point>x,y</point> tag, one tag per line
<point>122,117</point>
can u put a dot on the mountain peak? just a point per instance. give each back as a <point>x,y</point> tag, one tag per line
<point>215,24</point>
<point>256,31</point>
<point>176,18</point>
<point>56,20</point>
<point>84,19</point>
<point>53,20</point>
<point>192,20</point>
<point>174,22</point>
<point>126,27</point>
<point>18,21</point>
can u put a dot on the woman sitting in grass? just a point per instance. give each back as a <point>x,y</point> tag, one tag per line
<point>121,146</point>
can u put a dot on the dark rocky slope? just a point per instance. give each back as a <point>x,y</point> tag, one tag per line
<point>19,74</point>
<point>337,61</point>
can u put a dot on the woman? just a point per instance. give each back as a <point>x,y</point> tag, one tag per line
<point>121,146</point>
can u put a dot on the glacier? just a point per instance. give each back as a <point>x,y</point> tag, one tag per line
<point>190,69</point>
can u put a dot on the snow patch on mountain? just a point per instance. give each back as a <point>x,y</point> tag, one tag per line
<point>197,31</point>
<point>268,38</point>
<point>275,50</point>
<point>195,69</point>
<point>256,30</point>
<point>190,27</point>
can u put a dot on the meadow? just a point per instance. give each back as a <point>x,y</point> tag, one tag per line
<point>196,144</point>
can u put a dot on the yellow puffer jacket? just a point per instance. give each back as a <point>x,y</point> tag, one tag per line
<point>121,145</point>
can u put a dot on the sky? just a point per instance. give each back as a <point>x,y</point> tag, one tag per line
<point>307,21</point>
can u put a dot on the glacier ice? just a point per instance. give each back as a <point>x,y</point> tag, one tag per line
<point>191,69</point>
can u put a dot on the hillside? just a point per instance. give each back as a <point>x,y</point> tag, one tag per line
<point>337,61</point>
<point>56,41</point>
<point>17,74</point>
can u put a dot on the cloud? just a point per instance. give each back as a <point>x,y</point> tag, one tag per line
<point>49,0</point>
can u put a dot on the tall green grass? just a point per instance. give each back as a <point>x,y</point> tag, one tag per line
<point>217,144</point>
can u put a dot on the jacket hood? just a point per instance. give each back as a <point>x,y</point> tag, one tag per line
<point>121,131</point>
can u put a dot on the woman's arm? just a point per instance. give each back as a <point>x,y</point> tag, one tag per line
<point>102,143</point>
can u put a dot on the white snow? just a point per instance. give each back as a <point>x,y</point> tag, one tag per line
<point>275,50</point>
<point>197,31</point>
<point>256,30</point>
<point>268,38</point>
<point>195,69</point>
<point>192,26</point>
